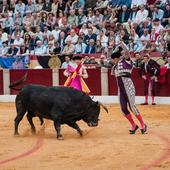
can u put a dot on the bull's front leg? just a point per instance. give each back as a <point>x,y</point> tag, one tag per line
<point>57,126</point>
<point>75,126</point>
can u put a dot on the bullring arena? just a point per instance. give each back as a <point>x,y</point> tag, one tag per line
<point>106,147</point>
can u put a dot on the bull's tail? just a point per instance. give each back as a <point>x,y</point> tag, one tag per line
<point>18,82</point>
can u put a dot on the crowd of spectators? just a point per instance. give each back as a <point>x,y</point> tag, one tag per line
<point>66,27</point>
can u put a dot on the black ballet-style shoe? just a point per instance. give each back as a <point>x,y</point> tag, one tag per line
<point>134,131</point>
<point>153,103</point>
<point>143,131</point>
<point>144,103</point>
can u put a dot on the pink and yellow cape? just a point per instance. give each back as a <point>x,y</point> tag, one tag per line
<point>75,81</point>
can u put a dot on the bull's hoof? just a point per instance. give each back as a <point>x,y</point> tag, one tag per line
<point>81,133</point>
<point>33,131</point>
<point>60,137</point>
<point>16,134</point>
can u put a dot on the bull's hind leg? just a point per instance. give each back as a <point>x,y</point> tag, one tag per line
<point>21,110</point>
<point>57,126</point>
<point>30,115</point>
<point>75,126</point>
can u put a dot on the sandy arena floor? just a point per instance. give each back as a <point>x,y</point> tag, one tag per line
<point>106,147</point>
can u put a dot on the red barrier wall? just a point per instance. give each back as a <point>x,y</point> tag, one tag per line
<point>44,76</point>
<point>93,81</point>
<point>1,82</point>
<point>39,76</point>
<point>161,89</point>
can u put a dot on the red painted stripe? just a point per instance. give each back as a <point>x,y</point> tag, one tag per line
<point>165,155</point>
<point>35,148</point>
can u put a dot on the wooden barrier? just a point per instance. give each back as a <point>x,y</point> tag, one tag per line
<point>39,76</point>
<point>1,82</point>
<point>100,82</point>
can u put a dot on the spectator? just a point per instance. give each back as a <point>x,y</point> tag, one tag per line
<point>57,48</point>
<point>141,15</point>
<point>90,47</point>
<point>69,48</point>
<point>66,62</point>
<point>12,51</point>
<point>35,20</point>
<point>77,4</point>
<point>40,49</point>
<point>61,40</point>
<point>99,48</point>
<point>138,60</point>
<point>27,19</point>
<point>138,3</point>
<point>72,19</point>
<point>134,36</point>
<point>18,42</point>
<point>97,18</point>
<point>80,47</point>
<point>90,35</point>
<point>132,14</point>
<point>84,29</point>
<point>20,7</point>
<point>56,32</point>
<point>4,49</point>
<point>124,14</point>
<point>103,39</point>
<point>158,13</point>
<point>145,36</point>
<point>30,6</point>
<point>50,48</point>
<point>39,5</point>
<point>8,23</point>
<point>81,18</point>
<point>73,37</point>
<point>153,35</point>
<point>47,5</point>
<point>23,51</point>
<point>157,25</point>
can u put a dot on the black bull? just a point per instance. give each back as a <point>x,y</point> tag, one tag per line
<point>61,104</point>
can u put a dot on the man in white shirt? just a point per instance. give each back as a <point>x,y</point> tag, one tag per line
<point>46,31</point>
<point>40,49</point>
<point>18,42</point>
<point>157,26</point>
<point>73,37</point>
<point>103,39</point>
<point>66,63</point>
<point>138,2</point>
<point>56,33</point>
<point>145,36</point>
<point>141,15</point>
<point>80,47</point>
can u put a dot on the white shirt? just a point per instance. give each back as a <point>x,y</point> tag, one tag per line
<point>104,40</point>
<point>80,48</point>
<point>73,39</point>
<point>19,42</point>
<point>146,38</point>
<point>138,2</point>
<point>40,51</point>
<point>56,34</point>
<point>158,28</point>
<point>141,15</point>
<point>4,37</point>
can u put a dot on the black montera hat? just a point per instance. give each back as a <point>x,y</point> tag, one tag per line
<point>117,53</point>
<point>77,57</point>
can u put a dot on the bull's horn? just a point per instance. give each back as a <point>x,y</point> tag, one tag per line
<point>104,107</point>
